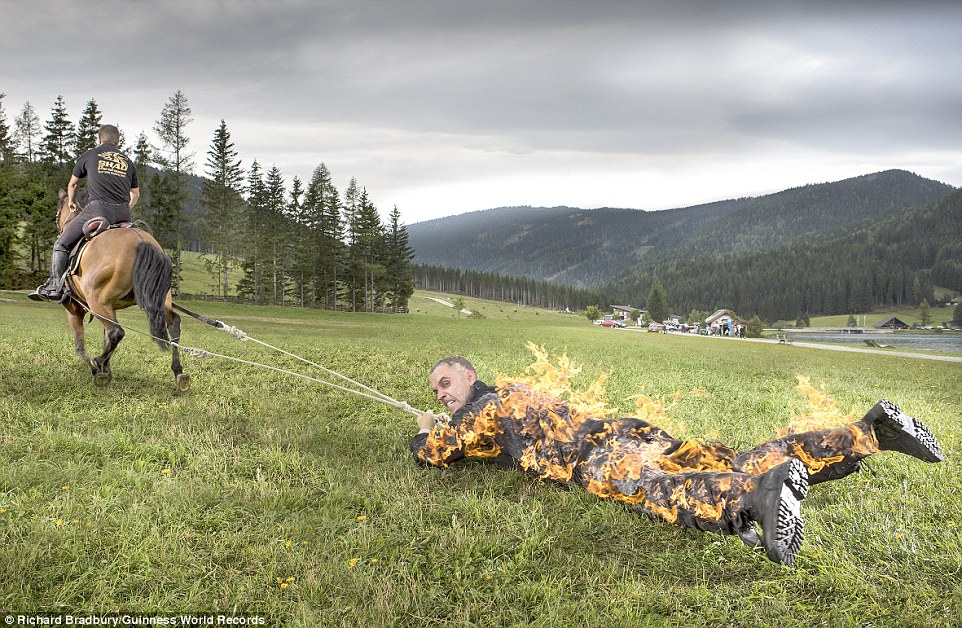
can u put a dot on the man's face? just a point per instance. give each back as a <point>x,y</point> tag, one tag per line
<point>452,384</point>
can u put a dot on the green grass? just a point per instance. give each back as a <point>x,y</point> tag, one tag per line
<point>136,498</point>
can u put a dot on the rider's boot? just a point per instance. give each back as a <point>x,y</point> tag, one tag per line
<point>53,289</point>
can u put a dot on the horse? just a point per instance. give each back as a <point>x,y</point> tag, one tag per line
<point>118,268</point>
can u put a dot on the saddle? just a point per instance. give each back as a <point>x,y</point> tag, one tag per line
<point>91,229</point>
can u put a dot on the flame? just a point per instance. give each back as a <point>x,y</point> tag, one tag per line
<point>538,415</point>
<point>822,413</point>
<point>555,380</point>
<point>477,438</point>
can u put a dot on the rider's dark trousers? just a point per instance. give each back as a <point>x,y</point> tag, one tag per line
<point>73,232</point>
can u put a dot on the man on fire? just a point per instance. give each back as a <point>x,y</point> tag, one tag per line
<point>755,494</point>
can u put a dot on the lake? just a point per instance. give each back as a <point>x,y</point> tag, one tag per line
<point>947,342</point>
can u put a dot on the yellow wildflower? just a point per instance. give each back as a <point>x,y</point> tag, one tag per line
<point>351,564</point>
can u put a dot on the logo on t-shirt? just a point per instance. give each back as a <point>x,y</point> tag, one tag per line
<point>112,163</point>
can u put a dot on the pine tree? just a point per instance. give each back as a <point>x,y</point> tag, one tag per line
<point>398,273</point>
<point>222,203</point>
<point>8,226</point>
<point>177,162</point>
<point>253,284</point>
<point>275,234</point>
<point>6,140</point>
<point>172,131</point>
<point>87,129</point>
<point>28,132</point>
<point>657,303</point>
<point>355,275</point>
<point>142,159</point>
<point>925,313</point>
<point>367,253</point>
<point>59,139</point>
<point>331,243</point>
<point>300,251</point>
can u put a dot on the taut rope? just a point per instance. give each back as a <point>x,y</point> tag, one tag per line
<point>366,391</point>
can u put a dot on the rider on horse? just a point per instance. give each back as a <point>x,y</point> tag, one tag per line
<point>113,188</point>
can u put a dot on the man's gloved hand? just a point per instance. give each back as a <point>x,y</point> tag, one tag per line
<point>426,421</point>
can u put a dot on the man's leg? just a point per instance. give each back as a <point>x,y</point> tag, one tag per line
<point>53,289</point>
<point>833,454</point>
<point>897,431</point>
<point>736,503</point>
<point>725,502</point>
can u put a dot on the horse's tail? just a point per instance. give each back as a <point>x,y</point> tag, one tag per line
<point>152,274</point>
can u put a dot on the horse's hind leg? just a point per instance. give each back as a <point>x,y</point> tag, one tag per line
<point>113,334</point>
<point>173,329</point>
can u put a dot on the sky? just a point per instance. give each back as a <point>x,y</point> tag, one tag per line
<point>441,107</point>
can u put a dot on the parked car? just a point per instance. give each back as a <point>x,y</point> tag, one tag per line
<point>655,327</point>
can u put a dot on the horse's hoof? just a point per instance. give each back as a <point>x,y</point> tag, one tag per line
<point>102,379</point>
<point>183,382</point>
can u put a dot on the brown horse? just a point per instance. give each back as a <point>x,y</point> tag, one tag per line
<point>119,268</point>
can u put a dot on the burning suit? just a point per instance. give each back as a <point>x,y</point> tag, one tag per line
<point>688,482</point>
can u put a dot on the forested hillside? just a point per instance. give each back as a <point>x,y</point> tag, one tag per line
<point>894,262</point>
<point>578,247</point>
<point>812,213</point>
<point>588,248</point>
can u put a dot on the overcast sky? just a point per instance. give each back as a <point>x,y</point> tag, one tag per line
<point>444,106</point>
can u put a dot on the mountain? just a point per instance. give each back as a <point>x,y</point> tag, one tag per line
<point>567,245</point>
<point>590,248</point>
<point>894,261</point>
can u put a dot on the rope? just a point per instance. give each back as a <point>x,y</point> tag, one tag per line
<point>366,391</point>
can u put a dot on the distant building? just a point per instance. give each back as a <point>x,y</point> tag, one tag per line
<point>723,321</point>
<point>624,311</point>
<point>891,323</point>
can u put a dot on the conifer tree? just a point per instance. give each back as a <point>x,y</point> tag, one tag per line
<point>398,273</point>
<point>367,253</point>
<point>8,225</point>
<point>177,163</point>
<point>6,139</point>
<point>253,284</point>
<point>355,276</point>
<point>28,132</point>
<point>657,303</point>
<point>87,128</point>
<point>222,203</point>
<point>142,160</point>
<point>331,243</point>
<point>307,253</point>
<point>275,234</point>
<point>299,262</point>
<point>58,141</point>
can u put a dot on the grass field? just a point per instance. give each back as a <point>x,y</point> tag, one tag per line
<point>256,493</point>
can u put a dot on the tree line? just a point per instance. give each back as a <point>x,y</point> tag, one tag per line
<point>512,289</point>
<point>264,241</point>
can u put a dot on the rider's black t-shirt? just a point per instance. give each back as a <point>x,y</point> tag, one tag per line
<point>110,174</point>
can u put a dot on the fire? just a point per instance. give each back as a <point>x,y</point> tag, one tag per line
<point>823,412</point>
<point>545,425</point>
<point>555,380</point>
